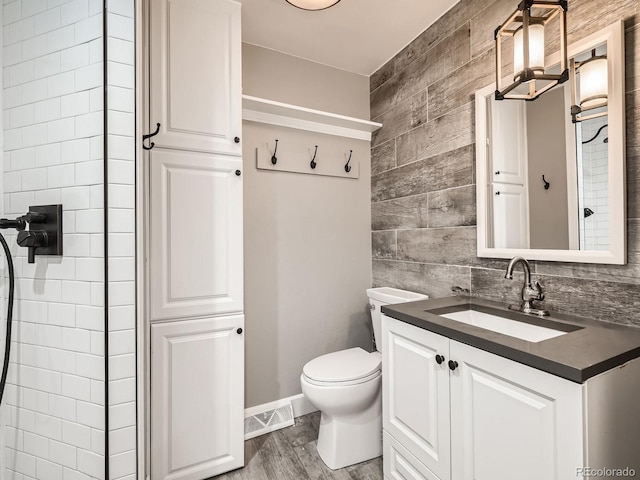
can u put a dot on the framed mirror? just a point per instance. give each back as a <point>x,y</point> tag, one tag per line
<point>550,187</point>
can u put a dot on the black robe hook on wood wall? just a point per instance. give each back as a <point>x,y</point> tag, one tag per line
<point>274,159</point>
<point>313,160</point>
<point>347,167</point>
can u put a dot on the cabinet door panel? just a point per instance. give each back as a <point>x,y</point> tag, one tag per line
<point>196,235</point>
<point>509,148</point>
<point>197,398</point>
<point>510,216</point>
<point>416,393</point>
<point>195,74</point>
<point>512,421</point>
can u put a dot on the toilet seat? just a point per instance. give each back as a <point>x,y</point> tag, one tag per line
<point>346,383</point>
<point>346,367</point>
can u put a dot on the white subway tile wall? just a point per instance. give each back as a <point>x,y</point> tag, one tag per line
<point>54,412</point>
<point>593,185</point>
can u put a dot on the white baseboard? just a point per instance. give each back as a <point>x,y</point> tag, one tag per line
<point>301,406</point>
<point>273,416</point>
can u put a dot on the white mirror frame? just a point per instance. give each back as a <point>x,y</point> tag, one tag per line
<point>613,36</point>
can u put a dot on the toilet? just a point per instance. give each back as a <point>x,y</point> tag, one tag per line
<point>346,387</point>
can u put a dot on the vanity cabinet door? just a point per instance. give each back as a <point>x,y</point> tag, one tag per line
<point>512,421</point>
<point>415,393</point>
<point>399,464</point>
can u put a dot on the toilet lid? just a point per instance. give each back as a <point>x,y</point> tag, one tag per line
<point>343,366</point>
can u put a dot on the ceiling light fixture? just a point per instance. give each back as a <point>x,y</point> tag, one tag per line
<point>527,26</point>
<point>313,4</point>
<point>593,90</point>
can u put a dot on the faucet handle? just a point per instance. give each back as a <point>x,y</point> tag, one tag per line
<point>533,291</point>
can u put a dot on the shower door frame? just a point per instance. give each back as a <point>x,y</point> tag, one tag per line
<point>143,354</point>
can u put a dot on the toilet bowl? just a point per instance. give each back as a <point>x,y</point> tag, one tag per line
<point>346,387</point>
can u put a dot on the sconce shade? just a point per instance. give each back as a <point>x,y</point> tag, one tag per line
<point>592,91</point>
<point>536,50</point>
<point>527,28</point>
<point>593,83</point>
<point>313,4</point>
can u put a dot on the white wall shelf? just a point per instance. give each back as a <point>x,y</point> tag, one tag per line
<point>261,110</point>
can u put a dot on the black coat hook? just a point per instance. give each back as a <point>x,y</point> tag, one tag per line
<point>546,184</point>
<point>150,135</point>
<point>313,160</point>
<point>274,159</point>
<point>347,167</point>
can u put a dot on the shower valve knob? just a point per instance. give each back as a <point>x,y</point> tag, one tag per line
<point>33,238</point>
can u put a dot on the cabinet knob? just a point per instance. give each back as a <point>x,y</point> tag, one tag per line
<point>498,172</point>
<point>497,193</point>
<point>236,139</point>
<point>238,173</point>
<point>453,365</point>
<point>439,359</point>
<point>239,331</point>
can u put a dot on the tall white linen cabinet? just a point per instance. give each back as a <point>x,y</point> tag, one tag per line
<point>194,247</point>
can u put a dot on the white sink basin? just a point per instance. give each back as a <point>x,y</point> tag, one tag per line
<point>505,326</point>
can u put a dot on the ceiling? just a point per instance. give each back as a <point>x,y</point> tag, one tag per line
<point>355,35</point>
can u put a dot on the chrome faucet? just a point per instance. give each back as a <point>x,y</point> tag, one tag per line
<point>530,293</point>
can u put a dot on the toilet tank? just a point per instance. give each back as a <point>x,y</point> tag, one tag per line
<point>387,296</point>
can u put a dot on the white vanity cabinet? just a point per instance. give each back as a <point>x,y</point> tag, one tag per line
<point>486,417</point>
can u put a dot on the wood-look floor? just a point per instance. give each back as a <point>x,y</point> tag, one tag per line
<point>290,454</point>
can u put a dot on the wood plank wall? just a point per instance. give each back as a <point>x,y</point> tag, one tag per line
<point>423,167</point>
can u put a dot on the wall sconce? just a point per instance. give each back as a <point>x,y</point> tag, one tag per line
<point>527,28</point>
<point>593,90</point>
<point>313,4</point>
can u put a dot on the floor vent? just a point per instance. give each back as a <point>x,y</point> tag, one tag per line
<point>259,423</point>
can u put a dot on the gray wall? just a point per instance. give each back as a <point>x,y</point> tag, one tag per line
<point>284,78</point>
<point>548,212</point>
<point>307,237</point>
<point>423,183</point>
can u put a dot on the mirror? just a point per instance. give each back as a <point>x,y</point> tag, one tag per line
<point>549,188</point>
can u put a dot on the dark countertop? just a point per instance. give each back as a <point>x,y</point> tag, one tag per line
<point>589,348</point>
